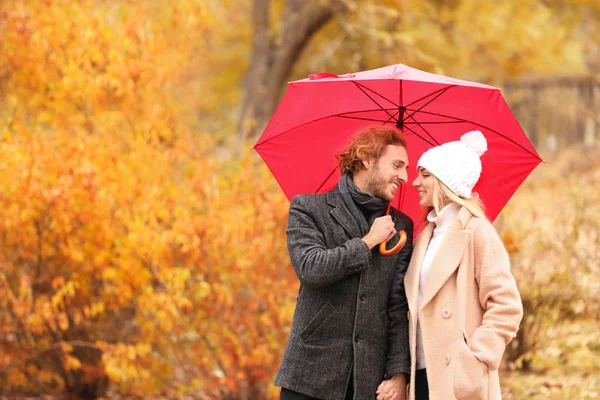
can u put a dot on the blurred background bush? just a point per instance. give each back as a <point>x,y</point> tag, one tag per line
<point>142,242</point>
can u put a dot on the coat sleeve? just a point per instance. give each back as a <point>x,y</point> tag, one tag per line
<point>498,295</point>
<point>314,263</point>
<point>398,359</point>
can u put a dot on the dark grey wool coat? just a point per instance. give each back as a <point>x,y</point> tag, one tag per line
<point>351,311</point>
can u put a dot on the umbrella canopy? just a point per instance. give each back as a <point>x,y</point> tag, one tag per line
<point>318,115</point>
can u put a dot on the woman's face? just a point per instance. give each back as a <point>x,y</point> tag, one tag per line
<point>424,185</point>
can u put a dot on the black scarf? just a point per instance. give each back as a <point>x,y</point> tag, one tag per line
<point>363,206</point>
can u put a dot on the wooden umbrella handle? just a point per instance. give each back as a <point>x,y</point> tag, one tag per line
<point>385,252</point>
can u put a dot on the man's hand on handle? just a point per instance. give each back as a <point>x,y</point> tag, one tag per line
<point>383,229</point>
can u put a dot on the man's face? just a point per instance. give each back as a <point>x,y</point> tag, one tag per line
<point>385,175</point>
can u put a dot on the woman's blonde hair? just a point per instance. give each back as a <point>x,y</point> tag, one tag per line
<point>442,196</point>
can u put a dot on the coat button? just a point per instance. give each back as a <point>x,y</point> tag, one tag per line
<point>446,313</point>
<point>357,339</point>
<point>362,297</point>
<point>447,360</point>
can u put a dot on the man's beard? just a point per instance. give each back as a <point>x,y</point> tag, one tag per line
<point>376,185</point>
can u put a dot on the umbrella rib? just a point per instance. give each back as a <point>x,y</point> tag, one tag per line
<point>295,127</point>
<point>420,137</point>
<point>326,179</point>
<point>425,130</point>
<point>444,89</point>
<point>400,196</point>
<point>400,93</point>
<point>319,119</point>
<point>344,115</point>
<point>369,110</point>
<point>454,119</point>
<point>374,92</point>
<point>485,127</point>
<point>360,87</point>
<point>439,93</point>
<point>362,119</point>
<point>433,122</point>
<point>392,117</point>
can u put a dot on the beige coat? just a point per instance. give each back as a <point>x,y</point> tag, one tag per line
<point>471,310</point>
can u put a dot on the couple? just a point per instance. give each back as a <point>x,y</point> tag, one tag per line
<point>367,325</point>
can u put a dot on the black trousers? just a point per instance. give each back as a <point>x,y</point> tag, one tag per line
<point>287,394</point>
<point>290,395</point>
<point>421,386</point>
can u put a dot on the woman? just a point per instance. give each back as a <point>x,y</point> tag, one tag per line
<point>463,300</point>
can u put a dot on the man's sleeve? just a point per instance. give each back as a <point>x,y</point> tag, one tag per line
<point>398,359</point>
<point>315,264</point>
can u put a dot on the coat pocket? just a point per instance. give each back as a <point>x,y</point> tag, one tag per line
<point>470,375</point>
<point>316,322</point>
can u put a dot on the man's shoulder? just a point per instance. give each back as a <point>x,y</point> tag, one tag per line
<point>309,200</point>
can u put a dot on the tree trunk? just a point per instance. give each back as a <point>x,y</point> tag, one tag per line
<point>273,57</point>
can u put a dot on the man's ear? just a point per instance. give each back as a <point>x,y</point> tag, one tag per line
<point>367,163</point>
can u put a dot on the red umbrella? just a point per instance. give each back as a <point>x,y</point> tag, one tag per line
<point>317,116</point>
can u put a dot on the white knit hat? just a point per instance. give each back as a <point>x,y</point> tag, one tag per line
<point>457,164</point>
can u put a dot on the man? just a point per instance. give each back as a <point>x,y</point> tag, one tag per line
<point>350,326</point>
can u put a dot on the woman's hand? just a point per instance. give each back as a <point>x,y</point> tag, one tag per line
<point>393,388</point>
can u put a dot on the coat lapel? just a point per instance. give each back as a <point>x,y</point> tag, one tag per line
<point>411,280</point>
<point>448,256</point>
<point>342,215</point>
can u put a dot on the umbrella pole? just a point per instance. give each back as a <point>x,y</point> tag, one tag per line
<point>382,247</point>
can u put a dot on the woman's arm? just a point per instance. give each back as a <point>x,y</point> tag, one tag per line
<point>498,295</point>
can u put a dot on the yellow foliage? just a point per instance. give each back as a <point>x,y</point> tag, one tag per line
<point>484,41</point>
<point>72,363</point>
<point>128,252</point>
<point>552,230</point>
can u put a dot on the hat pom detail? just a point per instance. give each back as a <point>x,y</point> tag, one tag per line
<point>476,141</point>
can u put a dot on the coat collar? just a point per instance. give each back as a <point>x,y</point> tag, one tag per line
<point>444,263</point>
<point>341,214</point>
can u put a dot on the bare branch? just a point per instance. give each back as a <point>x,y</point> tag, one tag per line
<point>259,58</point>
<point>298,32</point>
<point>272,61</point>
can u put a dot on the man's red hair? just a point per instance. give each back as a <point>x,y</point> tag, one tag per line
<point>368,144</point>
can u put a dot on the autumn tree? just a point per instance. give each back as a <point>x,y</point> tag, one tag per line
<point>131,257</point>
<point>275,50</point>
<point>489,41</point>
<point>135,255</point>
